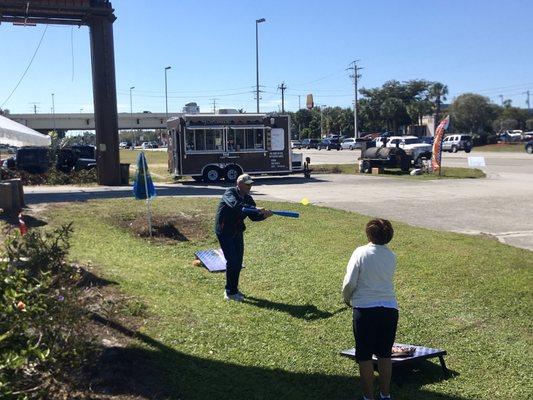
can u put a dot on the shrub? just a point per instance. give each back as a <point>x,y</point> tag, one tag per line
<point>40,315</point>
<point>492,139</point>
<point>52,177</point>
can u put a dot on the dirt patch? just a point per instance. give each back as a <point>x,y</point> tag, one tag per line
<point>169,228</point>
<point>116,368</point>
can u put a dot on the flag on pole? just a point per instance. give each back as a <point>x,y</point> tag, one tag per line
<point>143,187</point>
<point>436,155</point>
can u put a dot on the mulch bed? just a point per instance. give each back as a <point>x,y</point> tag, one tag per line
<point>167,228</point>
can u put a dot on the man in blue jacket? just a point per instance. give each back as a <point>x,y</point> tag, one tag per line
<point>229,227</point>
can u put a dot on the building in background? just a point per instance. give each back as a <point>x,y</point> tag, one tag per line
<point>191,108</point>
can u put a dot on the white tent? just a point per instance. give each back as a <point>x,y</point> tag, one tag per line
<point>15,134</point>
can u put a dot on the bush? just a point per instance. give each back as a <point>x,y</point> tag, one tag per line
<point>40,331</point>
<point>52,177</point>
<point>492,139</point>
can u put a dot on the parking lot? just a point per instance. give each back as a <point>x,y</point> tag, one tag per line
<point>498,205</point>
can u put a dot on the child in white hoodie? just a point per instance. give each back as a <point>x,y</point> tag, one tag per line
<point>369,290</point>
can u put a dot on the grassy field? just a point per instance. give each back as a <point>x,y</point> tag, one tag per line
<point>469,295</point>
<point>501,147</point>
<point>447,172</point>
<point>157,163</point>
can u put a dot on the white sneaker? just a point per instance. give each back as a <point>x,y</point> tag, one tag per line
<point>233,297</point>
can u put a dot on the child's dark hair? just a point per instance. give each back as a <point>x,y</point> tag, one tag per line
<point>379,231</point>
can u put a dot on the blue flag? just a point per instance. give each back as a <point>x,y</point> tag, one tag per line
<point>143,187</point>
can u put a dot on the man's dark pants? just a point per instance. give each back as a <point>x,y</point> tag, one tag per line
<point>233,249</point>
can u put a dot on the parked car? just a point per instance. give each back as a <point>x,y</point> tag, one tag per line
<point>124,145</point>
<point>296,144</point>
<point>350,144</point>
<point>149,145</point>
<point>454,143</point>
<point>34,160</point>
<point>412,146</point>
<point>427,139</point>
<point>329,144</point>
<point>529,147</point>
<point>528,136</point>
<point>310,143</point>
<point>76,157</point>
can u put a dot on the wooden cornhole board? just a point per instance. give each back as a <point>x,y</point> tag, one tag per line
<point>212,259</point>
<point>421,353</point>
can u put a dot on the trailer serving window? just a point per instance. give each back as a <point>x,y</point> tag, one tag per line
<point>203,139</point>
<point>246,139</point>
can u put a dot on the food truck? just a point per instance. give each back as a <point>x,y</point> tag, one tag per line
<point>212,147</point>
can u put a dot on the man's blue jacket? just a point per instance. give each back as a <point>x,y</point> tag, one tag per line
<point>230,218</point>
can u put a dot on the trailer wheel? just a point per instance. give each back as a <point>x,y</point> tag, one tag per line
<point>405,164</point>
<point>366,167</point>
<point>212,174</point>
<point>231,173</point>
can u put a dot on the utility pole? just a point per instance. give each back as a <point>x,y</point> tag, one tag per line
<point>299,103</point>
<point>214,105</point>
<point>527,101</point>
<point>257,22</point>
<point>35,106</point>
<point>355,77</point>
<point>501,98</point>
<point>282,87</point>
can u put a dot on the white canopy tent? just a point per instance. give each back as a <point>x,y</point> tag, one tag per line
<point>15,134</point>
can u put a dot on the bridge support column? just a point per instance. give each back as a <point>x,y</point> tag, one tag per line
<point>105,100</point>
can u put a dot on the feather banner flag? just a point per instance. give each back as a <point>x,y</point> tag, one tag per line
<point>436,155</point>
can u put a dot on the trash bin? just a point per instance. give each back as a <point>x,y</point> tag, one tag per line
<point>124,173</point>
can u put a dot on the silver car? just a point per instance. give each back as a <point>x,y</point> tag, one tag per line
<point>454,143</point>
<point>350,144</point>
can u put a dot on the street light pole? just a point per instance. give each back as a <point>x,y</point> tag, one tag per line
<point>131,118</point>
<point>257,22</point>
<point>54,112</point>
<point>166,104</point>
<point>166,93</point>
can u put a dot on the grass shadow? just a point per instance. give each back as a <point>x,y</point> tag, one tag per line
<point>156,371</point>
<point>31,222</point>
<point>308,312</point>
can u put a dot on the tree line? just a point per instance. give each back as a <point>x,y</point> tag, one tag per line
<point>400,104</point>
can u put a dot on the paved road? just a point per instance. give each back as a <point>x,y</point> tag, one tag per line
<point>499,205</point>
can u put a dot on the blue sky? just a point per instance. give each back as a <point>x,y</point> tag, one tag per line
<point>472,46</point>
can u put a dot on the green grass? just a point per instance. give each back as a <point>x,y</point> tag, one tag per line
<point>157,163</point>
<point>447,172</point>
<point>469,295</point>
<point>501,147</point>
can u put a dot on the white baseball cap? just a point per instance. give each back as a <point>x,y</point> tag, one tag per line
<point>245,178</point>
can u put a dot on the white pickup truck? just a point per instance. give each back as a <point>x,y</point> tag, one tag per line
<point>412,145</point>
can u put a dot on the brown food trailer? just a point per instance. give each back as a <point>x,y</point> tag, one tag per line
<point>214,146</point>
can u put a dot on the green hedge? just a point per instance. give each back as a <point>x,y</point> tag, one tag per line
<point>40,313</point>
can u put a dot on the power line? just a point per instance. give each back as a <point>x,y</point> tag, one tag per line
<point>27,68</point>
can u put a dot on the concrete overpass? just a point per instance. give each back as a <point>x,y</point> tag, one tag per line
<point>85,122</point>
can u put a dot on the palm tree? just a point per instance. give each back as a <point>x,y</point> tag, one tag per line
<point>437,93</point>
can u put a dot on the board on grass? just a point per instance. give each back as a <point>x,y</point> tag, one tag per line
<point>212,259</point>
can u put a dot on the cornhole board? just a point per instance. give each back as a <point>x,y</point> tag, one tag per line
<point>212,259</point>
<point>421,353</point>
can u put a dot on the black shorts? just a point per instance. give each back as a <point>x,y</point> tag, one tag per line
<point>374,330</point>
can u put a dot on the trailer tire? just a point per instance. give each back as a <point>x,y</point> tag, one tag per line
<point>232,172</point>
<point>212,174</point>
<point>405,164</point>
<point>366,167</point>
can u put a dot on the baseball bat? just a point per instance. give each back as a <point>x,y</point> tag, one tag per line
<point>281,213</point>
